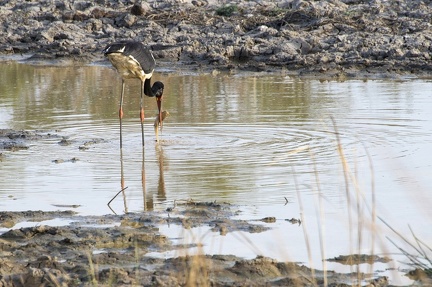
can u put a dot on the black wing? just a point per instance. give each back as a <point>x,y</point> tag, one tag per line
<point>135,49</point>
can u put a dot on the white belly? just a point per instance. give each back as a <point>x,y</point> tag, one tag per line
<point>127,67</point>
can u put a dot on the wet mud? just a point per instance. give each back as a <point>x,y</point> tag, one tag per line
<point>13,140</point>
<point>111,250</point>
<point>359,259</point>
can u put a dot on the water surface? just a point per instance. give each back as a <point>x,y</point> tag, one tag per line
<point>267,142</point>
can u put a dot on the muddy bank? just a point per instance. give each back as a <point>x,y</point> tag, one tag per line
<point>343,38</point>
<point>13,140</point>
<point>111,250</point>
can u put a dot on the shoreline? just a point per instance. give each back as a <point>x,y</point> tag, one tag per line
<point>111,249</point>
<point>166,67</point>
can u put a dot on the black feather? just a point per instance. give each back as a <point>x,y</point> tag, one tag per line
<point>153,91</point>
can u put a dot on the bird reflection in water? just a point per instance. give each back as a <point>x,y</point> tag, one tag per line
<point>143,181</point>
<point>148,201</point>
<point>158,123</point>
<point>122,181</point>
<point>161,193</point>
<point>122,184</point>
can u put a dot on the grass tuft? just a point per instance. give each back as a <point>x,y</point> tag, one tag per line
<point>420,256</point>
<point>226,11</point>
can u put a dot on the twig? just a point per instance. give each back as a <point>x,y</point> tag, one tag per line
<point>116,195</point>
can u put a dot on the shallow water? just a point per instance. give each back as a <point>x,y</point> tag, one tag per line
<point>257,140</point>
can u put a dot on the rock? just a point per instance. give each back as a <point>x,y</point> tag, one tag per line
<point>291,35</point>
<point>128,20</point>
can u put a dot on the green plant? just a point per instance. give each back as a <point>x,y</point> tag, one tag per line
<point>226,10</point>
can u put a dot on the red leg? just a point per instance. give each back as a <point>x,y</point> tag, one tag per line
<point>121,113</point>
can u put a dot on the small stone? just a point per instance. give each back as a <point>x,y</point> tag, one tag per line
<point>129,20</point>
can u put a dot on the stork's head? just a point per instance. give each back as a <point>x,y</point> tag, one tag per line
<point>158,88</point>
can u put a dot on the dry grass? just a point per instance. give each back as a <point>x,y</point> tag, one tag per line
<point>361,212</point>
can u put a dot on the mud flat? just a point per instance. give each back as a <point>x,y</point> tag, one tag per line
<point>111,251</point>
<point>337,38</point>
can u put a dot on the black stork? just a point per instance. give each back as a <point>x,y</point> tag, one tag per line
<point>133,60</point>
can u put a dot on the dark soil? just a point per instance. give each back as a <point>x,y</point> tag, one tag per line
<point>337,38</point>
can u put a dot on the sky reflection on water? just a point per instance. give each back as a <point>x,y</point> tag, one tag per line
<point>251,139</point>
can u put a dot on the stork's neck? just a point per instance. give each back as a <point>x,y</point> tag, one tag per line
<point>147,88</point>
